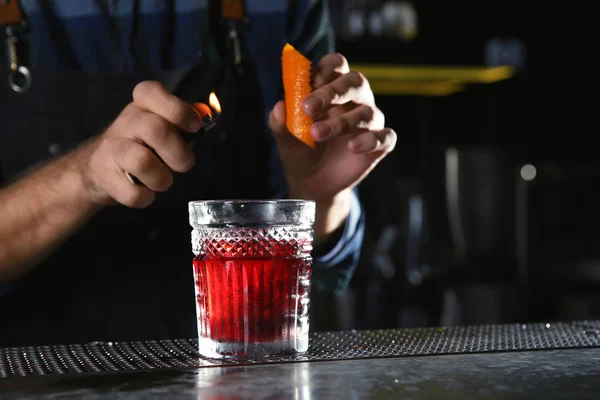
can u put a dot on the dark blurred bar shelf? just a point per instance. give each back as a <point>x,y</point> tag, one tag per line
<point>541,360</point>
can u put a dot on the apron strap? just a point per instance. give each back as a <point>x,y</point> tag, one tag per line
<point>228,18</point>
<point>231,22</point>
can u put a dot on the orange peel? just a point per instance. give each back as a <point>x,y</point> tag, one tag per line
<point>296,72</point>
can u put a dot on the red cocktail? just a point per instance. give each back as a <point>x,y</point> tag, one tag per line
<point>252,273</point>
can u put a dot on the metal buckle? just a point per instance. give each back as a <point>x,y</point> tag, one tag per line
<point>19,76</point>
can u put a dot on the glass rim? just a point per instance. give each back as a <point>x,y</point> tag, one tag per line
<point>251,212</point>
<point>255,201</point>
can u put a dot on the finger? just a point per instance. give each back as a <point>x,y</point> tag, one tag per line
<point>154,97</point>
<point>161,136</point>
<point>116,184</point>
<point>329,68</point>
<point>361,117</point>
<point>122,191</point>
<point>381,142</point>
<point>141,162</point>
<point>335,111</point>
<point>352,86</point>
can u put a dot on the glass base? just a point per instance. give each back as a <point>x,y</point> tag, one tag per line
<point>212,349</point>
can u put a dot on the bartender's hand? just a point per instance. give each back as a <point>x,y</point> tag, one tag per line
<point>351,139</point>
<point>143,140</point>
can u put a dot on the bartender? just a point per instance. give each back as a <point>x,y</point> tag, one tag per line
<point>98,92</point>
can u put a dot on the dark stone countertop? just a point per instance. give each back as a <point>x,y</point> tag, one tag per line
<point>543,374</point>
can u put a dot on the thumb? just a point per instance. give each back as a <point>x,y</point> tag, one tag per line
<point>283,137</point>
<point>277,120</point>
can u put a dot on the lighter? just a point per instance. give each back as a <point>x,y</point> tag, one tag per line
<point>207,121</point>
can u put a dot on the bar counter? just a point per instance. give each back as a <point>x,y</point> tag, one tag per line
<point>516,361</point>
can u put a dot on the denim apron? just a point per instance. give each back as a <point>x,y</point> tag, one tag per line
<point>127,274</point>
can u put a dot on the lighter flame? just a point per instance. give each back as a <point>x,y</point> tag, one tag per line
<point>214,102</point>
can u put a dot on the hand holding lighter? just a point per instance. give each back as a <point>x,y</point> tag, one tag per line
<point>208,123</point>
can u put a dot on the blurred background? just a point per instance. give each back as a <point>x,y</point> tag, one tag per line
<point>486,212</point>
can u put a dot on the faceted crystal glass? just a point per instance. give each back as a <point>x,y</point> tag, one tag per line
<point>252,271</point>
